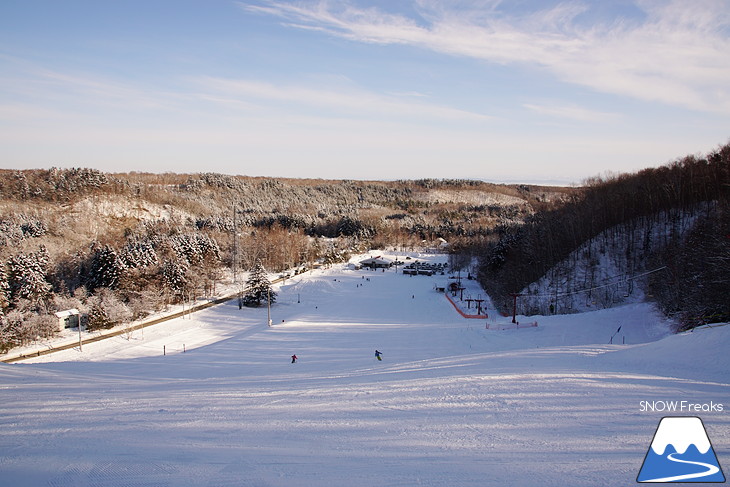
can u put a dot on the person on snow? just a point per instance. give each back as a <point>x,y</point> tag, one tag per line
<point>378,354</point>
<point>293,358</point>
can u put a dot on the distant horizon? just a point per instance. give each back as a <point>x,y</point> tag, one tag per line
<point>536,180</point>
<point>497,181</point>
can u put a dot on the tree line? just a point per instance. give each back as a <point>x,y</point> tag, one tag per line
<point>690,195</point>
<point>120,246</point>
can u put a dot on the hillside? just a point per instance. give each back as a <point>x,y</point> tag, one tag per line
<point>119,246</point>
<point>659,233</point>
<point>117,202</point>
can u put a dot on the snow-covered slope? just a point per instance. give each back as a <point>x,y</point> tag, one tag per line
<point>607,270</point>
<point>451,404</point>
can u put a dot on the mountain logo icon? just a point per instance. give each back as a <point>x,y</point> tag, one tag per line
<point>680,452</point>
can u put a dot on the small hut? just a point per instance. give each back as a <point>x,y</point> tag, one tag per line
<point>69,318</point>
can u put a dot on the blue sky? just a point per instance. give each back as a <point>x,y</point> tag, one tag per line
<point>520,90</point>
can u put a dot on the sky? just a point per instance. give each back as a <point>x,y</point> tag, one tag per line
<point>504,91</point>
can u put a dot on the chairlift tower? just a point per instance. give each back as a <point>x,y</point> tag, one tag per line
<point>234,264</point>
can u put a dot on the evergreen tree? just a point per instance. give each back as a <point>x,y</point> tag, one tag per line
<point>4,289</point>
<point>6,331</point>
<point>351,227</point>
<point>98,317</point>
<point>27,277</point>
<point>195,248</point>
<point>175,275</point>
<point>258,287</point>
<point>138,253</point>
<point>331,257</point>
<point>106,268</point>
<point>208,247</point>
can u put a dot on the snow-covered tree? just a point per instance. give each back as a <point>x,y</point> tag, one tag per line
<point>98,317</point>
<point>107,310</point>
<point>332,256</point>
<point>4,289</point>
<point>32,227</point>
<point>175,276</point>
<point>209,248</point>
<point>258,287</point>
<point>195,247</point>
<point>138,253</point>
<point>6,335</point>
<point>106,268</point>
<point>27,277</point>
<point>351,227</point>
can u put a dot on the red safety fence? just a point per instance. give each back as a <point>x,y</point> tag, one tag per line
<point>456,307</point>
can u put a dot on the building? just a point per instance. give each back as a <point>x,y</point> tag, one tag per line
<point>376,263</point>
<point>68,318</point>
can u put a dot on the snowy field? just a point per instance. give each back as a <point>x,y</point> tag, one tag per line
<point>451,404</point>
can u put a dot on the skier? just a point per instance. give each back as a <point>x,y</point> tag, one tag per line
<point>378,354</point>
<point>293,358</point>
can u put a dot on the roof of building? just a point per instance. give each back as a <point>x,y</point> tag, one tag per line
<point>375,260</point>
<point>67,313</point>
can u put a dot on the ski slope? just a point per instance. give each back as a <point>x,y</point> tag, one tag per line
<point>451,404</point>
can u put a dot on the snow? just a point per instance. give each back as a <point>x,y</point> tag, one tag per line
<point>608,269</point>
<point>451,404</point>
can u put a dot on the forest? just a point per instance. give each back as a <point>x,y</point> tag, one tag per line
<point>120,246</point>
<point>662,231</point>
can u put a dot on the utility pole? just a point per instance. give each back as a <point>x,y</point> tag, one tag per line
<point>78,320</point>
<point>235,247</point>
<point>514,306</point>
<point>268,303</point>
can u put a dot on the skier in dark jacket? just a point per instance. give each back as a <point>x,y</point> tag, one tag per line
<point>378,354</point>
<point>293,358</point>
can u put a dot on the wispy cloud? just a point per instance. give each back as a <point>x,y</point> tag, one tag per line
<point>675,53</point>
<point>570,112</point>
<point>340,100</point>
<point>38,84</point>
<point>36,92</point>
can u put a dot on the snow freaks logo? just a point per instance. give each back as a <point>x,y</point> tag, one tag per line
<point>680,452</point>
<point>681,407</point>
